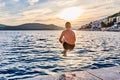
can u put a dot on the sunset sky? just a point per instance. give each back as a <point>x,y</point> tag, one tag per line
<point>15,12</point>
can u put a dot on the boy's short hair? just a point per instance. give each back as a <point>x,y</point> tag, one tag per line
<point>68,25</point>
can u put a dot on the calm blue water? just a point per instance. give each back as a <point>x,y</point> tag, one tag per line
<point>27,54</point>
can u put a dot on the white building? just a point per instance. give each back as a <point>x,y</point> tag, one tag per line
<point>104,20</point>
<point>96,25</point>
<point>118,19</point>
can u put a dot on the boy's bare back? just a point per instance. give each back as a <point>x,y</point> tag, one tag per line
<point>69,36</point>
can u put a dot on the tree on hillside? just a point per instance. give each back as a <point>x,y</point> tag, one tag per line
<point>103,24</point>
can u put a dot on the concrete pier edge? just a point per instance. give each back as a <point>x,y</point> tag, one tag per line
<point>109,73</point>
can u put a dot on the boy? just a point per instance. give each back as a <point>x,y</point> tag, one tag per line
<point>67,38</point>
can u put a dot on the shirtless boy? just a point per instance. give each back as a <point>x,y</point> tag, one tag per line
<point>67,38</point>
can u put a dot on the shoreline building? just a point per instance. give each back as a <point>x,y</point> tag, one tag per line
<point>96,25</point>
<point>118,19</point>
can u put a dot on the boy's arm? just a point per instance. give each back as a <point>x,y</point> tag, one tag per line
<point>61,37</point>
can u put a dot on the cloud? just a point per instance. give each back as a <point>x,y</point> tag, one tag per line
<point>32,2</point>
<point>15,0</point>
<point>45,11</point>
<point>4,18</point>
<point>36,15</point>
<point>2,4</point>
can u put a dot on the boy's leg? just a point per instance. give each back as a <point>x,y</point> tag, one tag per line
<point>64,52</point>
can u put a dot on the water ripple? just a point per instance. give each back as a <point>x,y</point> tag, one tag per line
<point>27,54</point>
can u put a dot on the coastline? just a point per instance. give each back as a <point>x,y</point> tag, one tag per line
<point>101,30</point>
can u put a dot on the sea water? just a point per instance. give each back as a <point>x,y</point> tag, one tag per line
<point>27,54</point>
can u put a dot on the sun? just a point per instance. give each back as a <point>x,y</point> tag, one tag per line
<point>71,13</point>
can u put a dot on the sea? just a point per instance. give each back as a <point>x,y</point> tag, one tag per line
<point>27,54</point>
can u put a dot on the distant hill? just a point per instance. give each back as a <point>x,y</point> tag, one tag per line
<point>102,23</point>
<point>114,15</point>
<point>31,26</point>
<point>1,25</point>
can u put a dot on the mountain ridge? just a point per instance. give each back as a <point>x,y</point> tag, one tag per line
<point>31,26</point>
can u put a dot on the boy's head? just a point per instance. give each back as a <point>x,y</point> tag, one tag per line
<point>68,25</point>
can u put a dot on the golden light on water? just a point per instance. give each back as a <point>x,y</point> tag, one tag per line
<point>71,13</point>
